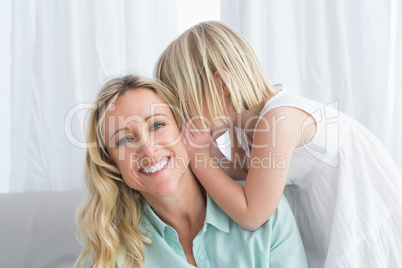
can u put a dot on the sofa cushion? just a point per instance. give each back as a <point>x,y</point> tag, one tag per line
<point>38,229</point>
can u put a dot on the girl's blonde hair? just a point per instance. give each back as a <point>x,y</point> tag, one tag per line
<point>188,65</point>
<point>109,217</point>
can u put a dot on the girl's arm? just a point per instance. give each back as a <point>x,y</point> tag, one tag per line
<point>276,136</point>
<point>237,154</point>
<point>237,166</point>
<point>234,170</point>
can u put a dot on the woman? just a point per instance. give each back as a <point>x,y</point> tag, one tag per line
<point>145,208</point>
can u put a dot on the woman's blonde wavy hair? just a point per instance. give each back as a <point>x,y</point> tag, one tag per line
<point>109,217</point>
<point>188,65</point>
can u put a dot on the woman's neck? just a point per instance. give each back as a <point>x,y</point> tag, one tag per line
<point>184,210</point>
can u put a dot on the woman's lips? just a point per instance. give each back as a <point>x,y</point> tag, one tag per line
<point>155,167</point>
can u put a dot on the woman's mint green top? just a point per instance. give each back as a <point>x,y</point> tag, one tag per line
<point>222,243</point>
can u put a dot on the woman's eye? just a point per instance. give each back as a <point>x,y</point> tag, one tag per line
<point>123,141</point>
<point>157,126</point>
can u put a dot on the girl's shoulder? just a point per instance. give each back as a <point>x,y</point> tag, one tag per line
<point>288,115</point>
<point>286,98</point>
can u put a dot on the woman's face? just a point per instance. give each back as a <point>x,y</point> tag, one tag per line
<point>143,140</point>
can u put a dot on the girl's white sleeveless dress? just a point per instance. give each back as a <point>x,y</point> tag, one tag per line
<point>344,189</point>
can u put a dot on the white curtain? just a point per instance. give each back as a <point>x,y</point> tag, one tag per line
<point>345,51</point>
<point>55,56</point>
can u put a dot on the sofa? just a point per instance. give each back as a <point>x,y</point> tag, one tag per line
<point>38,230</point>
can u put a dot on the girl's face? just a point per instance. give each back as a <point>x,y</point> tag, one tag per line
<point>144,141</point>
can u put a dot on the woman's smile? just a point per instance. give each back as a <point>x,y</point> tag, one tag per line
<point>155,167</point>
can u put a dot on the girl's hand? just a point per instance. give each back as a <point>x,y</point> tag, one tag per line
<point>198,145</point>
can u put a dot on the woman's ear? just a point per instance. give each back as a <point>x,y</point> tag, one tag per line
<point>220,84</point>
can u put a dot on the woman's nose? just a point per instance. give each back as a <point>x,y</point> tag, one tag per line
<point>148,148</point>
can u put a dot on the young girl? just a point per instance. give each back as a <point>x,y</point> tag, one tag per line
<point>344,188</point>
